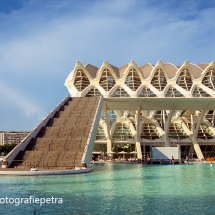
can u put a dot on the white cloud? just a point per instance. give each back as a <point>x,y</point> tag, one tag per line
<point>112,30</point>
<point>13,98</point>
<point>40,43</point>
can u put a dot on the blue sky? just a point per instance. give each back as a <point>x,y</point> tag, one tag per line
<point>40,41</point>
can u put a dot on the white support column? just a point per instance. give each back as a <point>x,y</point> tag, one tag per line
<point>191,151</point>
<point>137,122</point>
<point>166,127</point>
<point>195,130</point>
<point>199,121</point>
<point>109,145</point>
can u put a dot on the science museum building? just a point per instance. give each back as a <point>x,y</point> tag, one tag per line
<point>151,105</point>
<point>125,109</point>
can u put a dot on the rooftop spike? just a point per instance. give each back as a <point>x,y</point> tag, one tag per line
<point>213,63</point>
<point>159,63</point>
<point>133,63</point>
<point>78,64</point>
<point>105,63</point>
<point>186,63</point>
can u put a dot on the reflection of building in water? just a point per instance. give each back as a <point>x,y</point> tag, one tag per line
<point>139,129</point>
<point>8,137</point>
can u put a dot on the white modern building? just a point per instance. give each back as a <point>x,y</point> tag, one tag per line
<point>151,105</point>
<point>139,107</point>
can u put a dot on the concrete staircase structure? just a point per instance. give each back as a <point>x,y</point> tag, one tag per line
<point>64,141</point>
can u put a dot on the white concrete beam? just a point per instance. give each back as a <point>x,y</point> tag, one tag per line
<point>137,122</point>
<point>109,145</point>
<point>166,127</point>
<point>195,129</point>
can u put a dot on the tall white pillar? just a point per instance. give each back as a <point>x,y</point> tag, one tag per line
<point>166,126</point>
<point>198,149</point>
<point>138,145</point>
<point>109,144</point>
<point>195,129</point>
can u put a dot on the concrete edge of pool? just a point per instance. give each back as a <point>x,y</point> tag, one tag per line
<point>45,172</point>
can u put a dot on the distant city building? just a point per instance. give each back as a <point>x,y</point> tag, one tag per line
<point>8,137</point>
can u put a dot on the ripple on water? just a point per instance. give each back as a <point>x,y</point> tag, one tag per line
<point>118,189</point>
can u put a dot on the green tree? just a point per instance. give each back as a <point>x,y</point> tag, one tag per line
<point>7,148</point>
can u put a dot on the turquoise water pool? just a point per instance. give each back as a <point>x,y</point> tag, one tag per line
<point>117,189</point>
